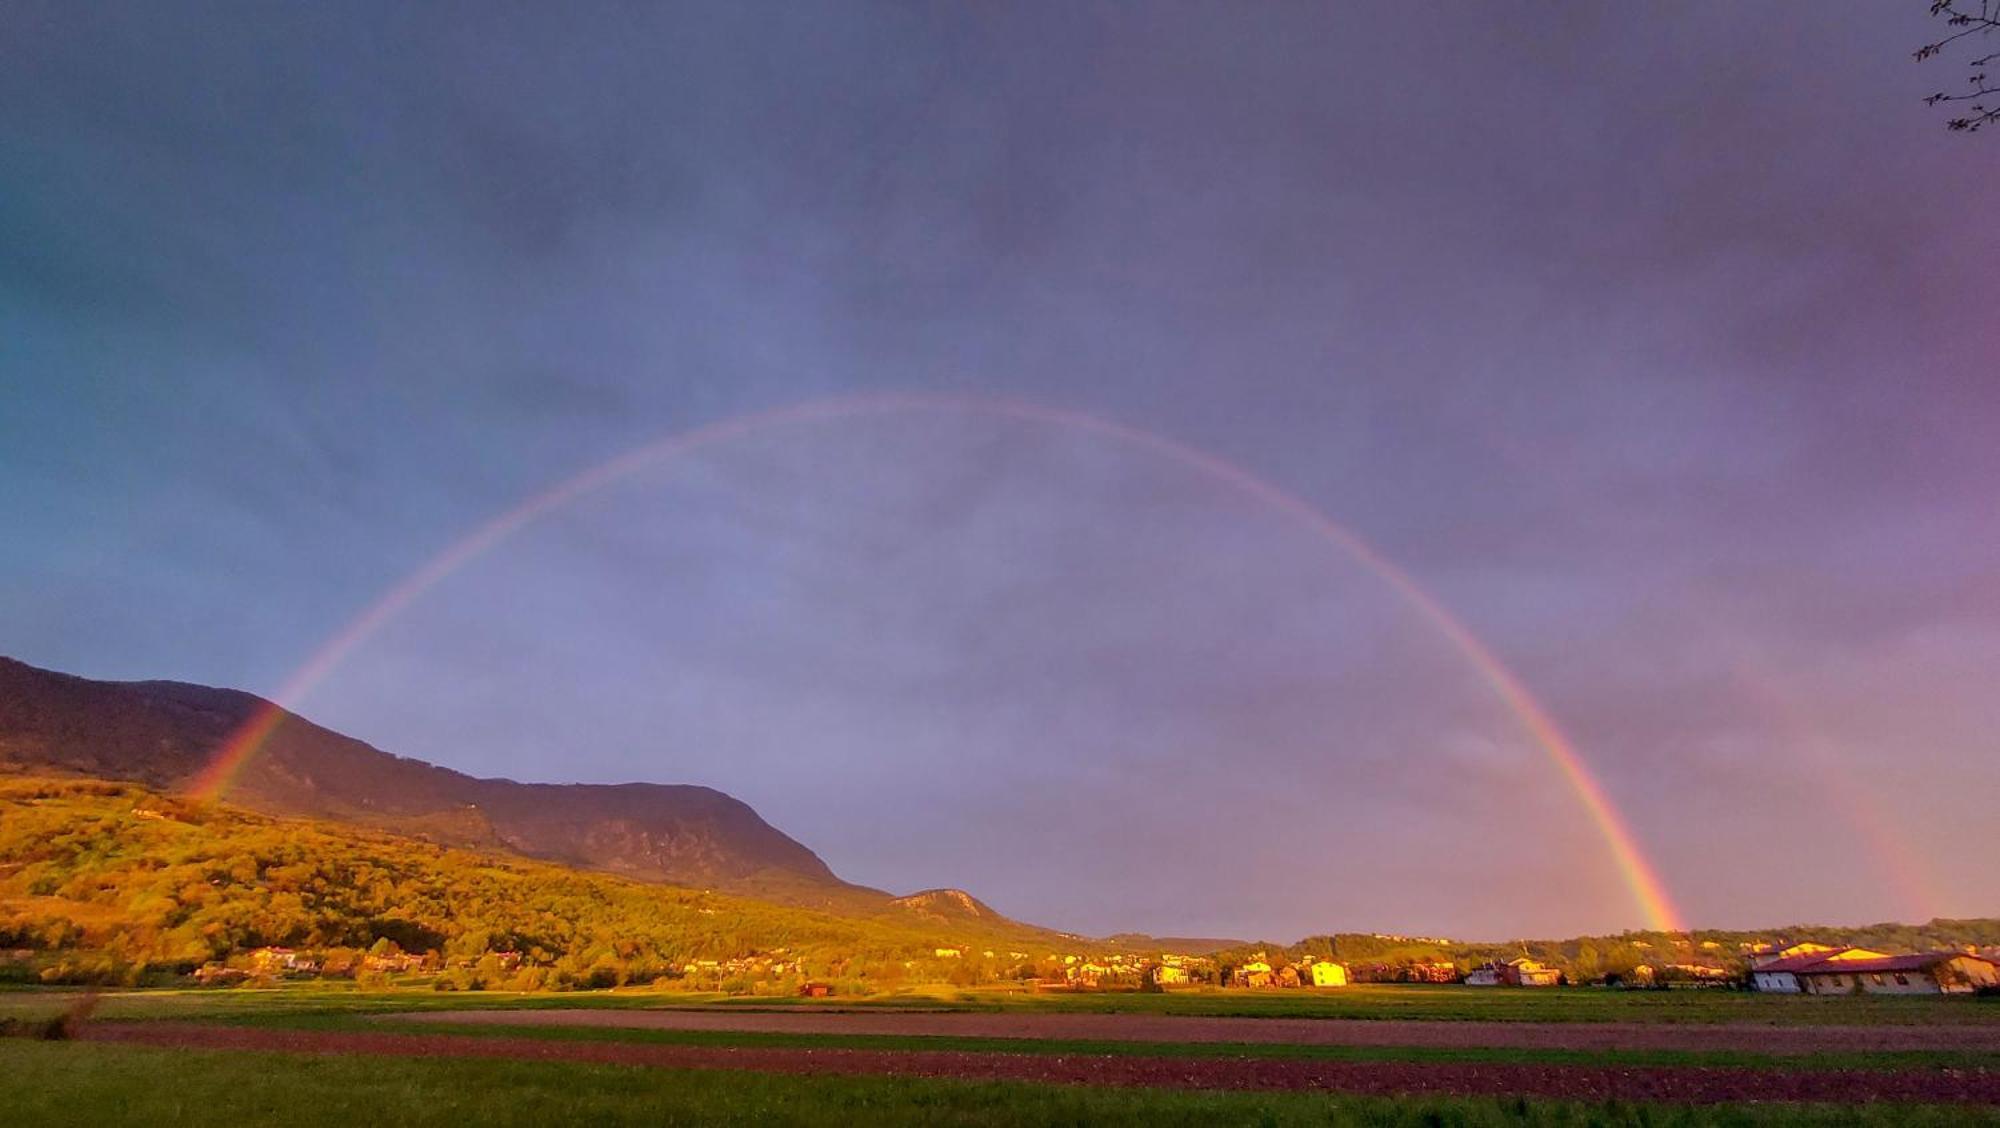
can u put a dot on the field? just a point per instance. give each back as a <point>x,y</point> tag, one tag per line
<point>1383,1055</point>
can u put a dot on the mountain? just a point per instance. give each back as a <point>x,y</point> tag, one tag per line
<point>104,881</point>
<point>164,733</point>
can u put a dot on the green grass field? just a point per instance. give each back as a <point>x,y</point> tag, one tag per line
<point>54,1083</point>
<point>335,1007</point>
<point>1909,1059</point>
<point>1452,1002</point>
<point>86,1083</point>
<point>1360,1002</point>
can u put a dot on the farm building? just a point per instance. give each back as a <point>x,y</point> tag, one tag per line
<point>1926,973</point>
<point>1517,972</point>
<point>1780,975</point>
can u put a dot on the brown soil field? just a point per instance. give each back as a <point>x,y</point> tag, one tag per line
<point>1592,1083</point>
<point>1290,1031</point>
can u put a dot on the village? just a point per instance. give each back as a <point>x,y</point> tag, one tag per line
<point>1778,967</point>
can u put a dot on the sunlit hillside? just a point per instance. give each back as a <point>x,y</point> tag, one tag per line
<point>117,881</point>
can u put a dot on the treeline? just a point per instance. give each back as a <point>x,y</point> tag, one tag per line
<point>1587,958</point>
<point>111,881</point>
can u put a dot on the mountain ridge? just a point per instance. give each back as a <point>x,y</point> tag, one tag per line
<point>164,733</point>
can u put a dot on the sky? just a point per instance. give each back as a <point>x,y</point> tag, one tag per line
<point>1657,349</point>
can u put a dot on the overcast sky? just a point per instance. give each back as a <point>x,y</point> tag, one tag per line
<point>1658,347</point>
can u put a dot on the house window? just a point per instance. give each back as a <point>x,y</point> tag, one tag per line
<point>1902,980</point>
<point>1877,977</point>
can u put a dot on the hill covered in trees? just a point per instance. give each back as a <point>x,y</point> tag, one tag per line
<point>107,880</point>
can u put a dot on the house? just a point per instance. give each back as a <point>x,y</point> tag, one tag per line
<point>1089,973</point>
<point>1924,973</point>
<point>1326,973</point>
<point>1524,972</point>
<point>815,990</point>
<point>1780,975</point>
<point>397,961</point>
<point>1169,975</point>
<point>1256,973</point>
<point>271,961</point>
<point>1485,975</point>
<point>1517,972</point>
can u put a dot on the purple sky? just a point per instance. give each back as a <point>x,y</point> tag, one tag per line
<point>1657,348</point>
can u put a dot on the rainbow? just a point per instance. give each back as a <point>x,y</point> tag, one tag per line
<point>1639,876</point>
<point>1907,874</point>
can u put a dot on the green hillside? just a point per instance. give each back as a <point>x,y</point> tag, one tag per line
<point>116,881</point>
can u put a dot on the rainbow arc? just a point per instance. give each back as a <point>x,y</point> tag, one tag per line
<point>1640,877</point>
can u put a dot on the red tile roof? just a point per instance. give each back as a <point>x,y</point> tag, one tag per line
<point>1922,961</point>
<point>1819,963</point>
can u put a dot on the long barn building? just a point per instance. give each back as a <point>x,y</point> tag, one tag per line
<point>1858,971</point>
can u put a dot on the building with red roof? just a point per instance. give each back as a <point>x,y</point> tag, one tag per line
<point>1858,971</point>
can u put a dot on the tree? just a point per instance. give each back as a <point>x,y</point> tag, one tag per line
<point>1981,31</point>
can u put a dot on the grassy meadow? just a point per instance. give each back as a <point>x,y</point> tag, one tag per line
<point>1361,1002</point>
<point>54,1083</point>
<point>61,1083</point>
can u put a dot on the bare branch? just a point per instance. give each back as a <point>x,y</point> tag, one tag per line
<point>1964,22</point>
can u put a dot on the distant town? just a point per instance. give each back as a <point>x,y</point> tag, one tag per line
<point>1776,967</point>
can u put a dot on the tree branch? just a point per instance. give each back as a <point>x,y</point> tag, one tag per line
<point>1985,21</point>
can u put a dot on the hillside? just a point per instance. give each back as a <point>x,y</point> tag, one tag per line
<point>1191,945</point>
<point>122,878</point>
<point>947,905</point>
<point>163,733</point>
